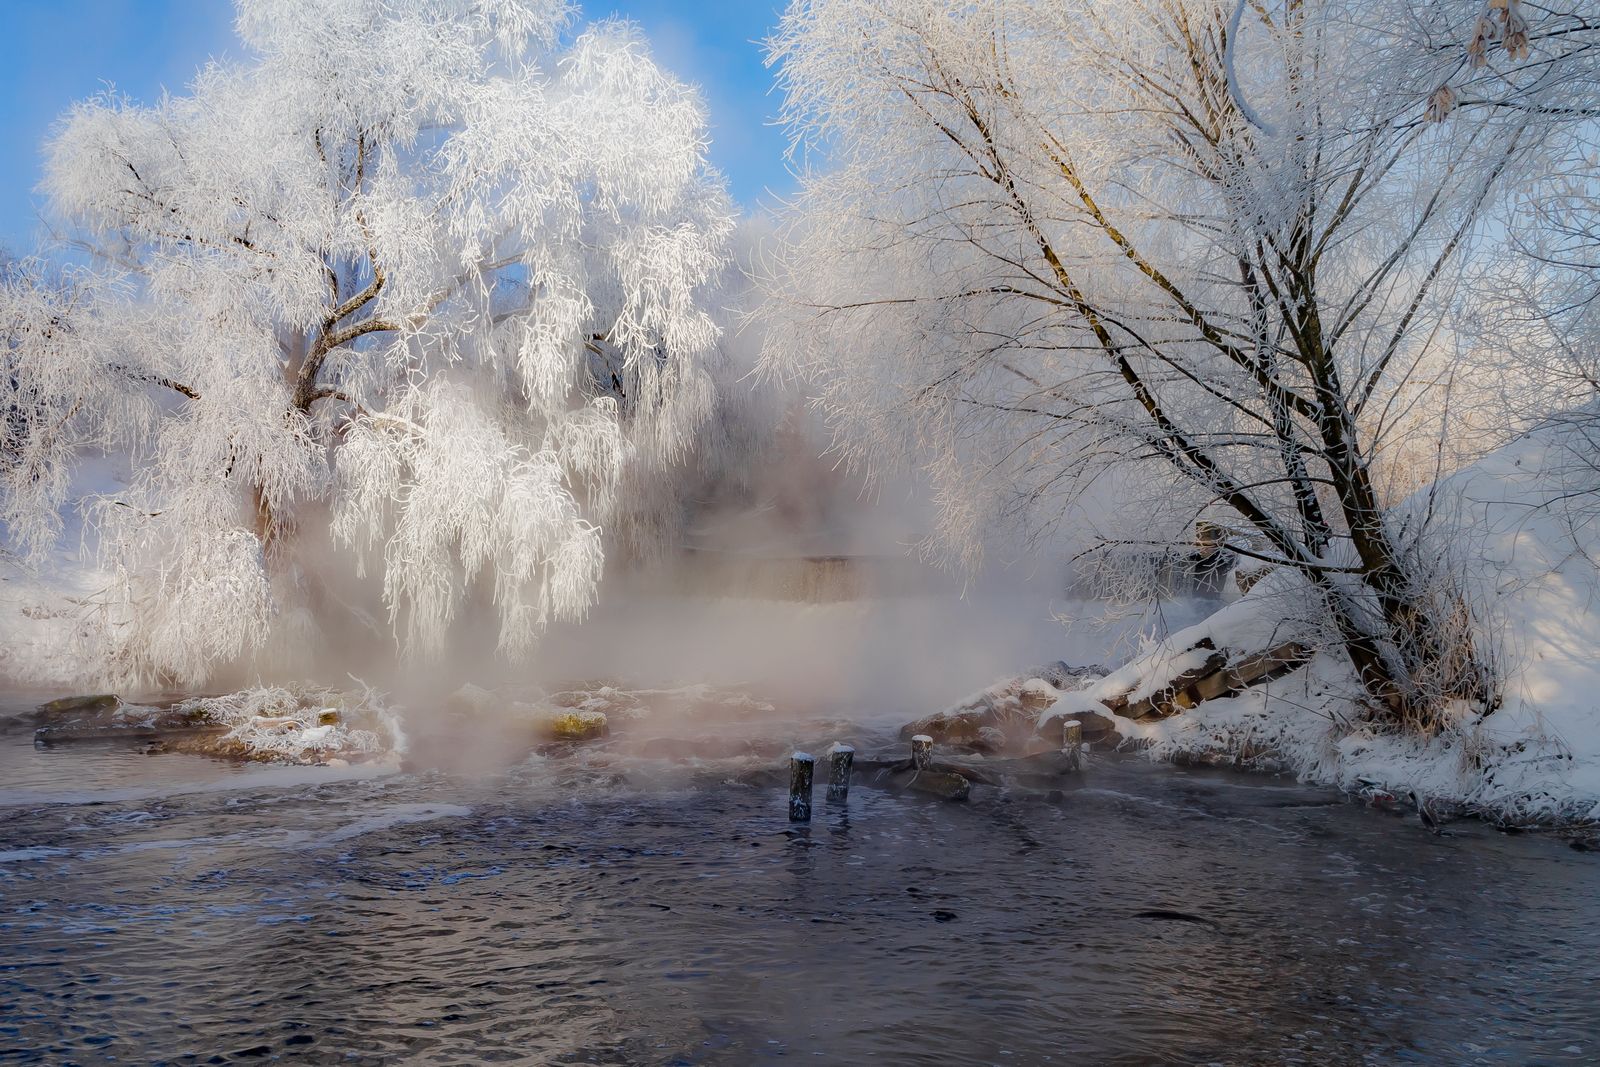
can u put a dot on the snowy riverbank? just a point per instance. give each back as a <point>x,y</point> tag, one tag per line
<point>1529,568</point>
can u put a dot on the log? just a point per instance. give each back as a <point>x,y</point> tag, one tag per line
<point>921,751</point>
<point>1174,696</point>
<point>1252,670</point>
<point>1119,704</point>
<point>1213,686</point>
<point>1265,666</point>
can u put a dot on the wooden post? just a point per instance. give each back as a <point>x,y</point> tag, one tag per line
<point>800,767</point>
<point>921,751</point>
<point>1072,741</point>
<point>840,760</point>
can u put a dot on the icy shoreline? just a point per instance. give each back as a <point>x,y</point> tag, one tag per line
<point>1527,558</point>
<point>1528,565</point>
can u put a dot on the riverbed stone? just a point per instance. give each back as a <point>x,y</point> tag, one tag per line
<point>108,718</point>
<point>80,705</point>
<point>573,725</point>
<point>947,727</point>
<point>941,784</point>
<point>990,739</point>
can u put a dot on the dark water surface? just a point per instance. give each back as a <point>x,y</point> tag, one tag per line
<point>169,909</point>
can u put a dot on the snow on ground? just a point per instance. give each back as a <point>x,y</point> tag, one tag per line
<point>1529,548</point>
<point>43,624</point>
<point>49,638</point>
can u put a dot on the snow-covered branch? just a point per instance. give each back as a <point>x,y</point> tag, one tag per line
<point>349,216</point>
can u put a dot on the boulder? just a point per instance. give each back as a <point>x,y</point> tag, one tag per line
<point>990,739</point>
<point>942,784</point>
<point>959,726</point>
<point>616,703</point>
<point>1099,727</point>
<point>82,705</point>
<point>572,725</point>
<point>1036,695</point>
<point>107,718</point>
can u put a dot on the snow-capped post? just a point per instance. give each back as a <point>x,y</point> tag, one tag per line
<point>1072,741</point>
<point>921,751</point>
<point>840,760</point>
<point>800,767</point>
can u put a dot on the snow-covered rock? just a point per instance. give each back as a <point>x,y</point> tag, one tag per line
<point>269,724</point>
<point>295,724</point>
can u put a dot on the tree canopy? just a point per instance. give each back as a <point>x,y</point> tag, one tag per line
<point>432,272</point>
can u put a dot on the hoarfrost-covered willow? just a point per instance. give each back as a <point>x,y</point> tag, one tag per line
<point>1056,249</point>
<point>430,272</point>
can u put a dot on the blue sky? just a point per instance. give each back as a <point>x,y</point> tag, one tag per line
<point>54,52</point>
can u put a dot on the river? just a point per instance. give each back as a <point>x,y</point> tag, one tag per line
<point>172,909</point>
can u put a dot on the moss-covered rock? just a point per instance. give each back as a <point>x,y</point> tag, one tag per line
<point>574,725</point>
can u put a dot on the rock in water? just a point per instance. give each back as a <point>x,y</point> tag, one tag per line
<point>990,739</point>
<point>941,784</point>
<point>947,727</point>
<point>103,718</point>
<point>575,726</point>
<point>1096,725</point>
<point>104,702</point>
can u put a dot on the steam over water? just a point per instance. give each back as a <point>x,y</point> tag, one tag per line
<point>639,910</point>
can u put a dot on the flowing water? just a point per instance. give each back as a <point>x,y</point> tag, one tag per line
<point>170,909</point>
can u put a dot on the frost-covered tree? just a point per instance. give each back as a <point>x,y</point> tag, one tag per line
<point>1213,248</point>
<point>1543,295</point>
<point>430,272</point>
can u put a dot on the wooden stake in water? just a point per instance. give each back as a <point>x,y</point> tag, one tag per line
<point>840,759</point>
<point>800,767</point>
<point>921,751</point>
<point>1072,741</point>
